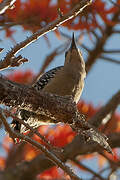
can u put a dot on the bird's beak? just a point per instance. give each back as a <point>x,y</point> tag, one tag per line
<point>73,44</point>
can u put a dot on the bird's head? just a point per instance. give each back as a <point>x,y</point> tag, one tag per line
<point>74,57</point>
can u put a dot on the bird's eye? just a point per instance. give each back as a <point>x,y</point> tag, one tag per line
<point>66,53</point>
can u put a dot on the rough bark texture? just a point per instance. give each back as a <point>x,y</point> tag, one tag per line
<point>58,109</point>
<point>21,96</point>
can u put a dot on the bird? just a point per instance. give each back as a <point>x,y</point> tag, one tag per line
<point>66,80</point>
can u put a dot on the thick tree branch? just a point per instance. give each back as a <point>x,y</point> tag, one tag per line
<point>5,4</point>
<point>55,108</point>
<point>21,96</point>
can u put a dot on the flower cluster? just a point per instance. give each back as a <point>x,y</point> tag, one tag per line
<point>35,14</point>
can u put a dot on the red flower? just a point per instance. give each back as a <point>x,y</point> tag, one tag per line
<point>34,14</point>
<point>21,77</point>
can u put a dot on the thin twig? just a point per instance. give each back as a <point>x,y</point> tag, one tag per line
<point>50,27</point>
<point>94,55</point>
<point>13,62</point>
<point>60,49</point>
<point>112,51</point>
<point>88,169</point>
<point>49,58</point>
<point>116,31</point>
<point>85,47</point>
<point>95,34</point>
<point>115,4</point>
<point>113,163</point>
<point>50,155</point>
<point>70,151</point>
<point>77,41</point>
<point>33,131</point>
<point>5,4</point>
<point>110,59</point>
<point>60,13</point>
<point>101,171</point>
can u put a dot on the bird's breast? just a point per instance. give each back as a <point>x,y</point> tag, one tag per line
<point>66,83</point>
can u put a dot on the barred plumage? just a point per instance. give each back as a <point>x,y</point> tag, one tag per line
<point>45,78</point>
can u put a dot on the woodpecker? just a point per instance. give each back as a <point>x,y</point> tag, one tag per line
<point>63,80</point>
<point>69,80</point>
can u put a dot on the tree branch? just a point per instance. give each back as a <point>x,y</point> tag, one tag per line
<point>31,129</point>
<point>77,40</point>
<point>49,58</point>
<point>70,151</point>
<point>100,42</point>
<point>54,108</point>
<point>50,27</point>
<point>13,62</point>
<point>110,59</point>
<point>112,51</point>
<point>49,154</point>
<point>6,4</point>
<point>87,169</point>
<point>105,110</point>
<point>114,3</point>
